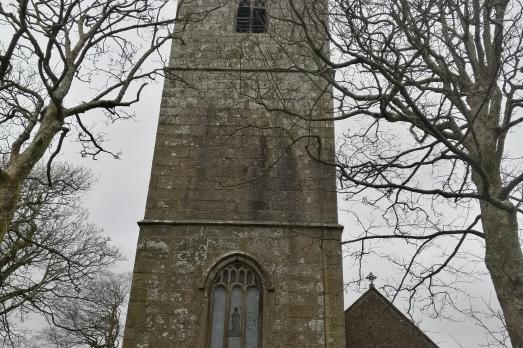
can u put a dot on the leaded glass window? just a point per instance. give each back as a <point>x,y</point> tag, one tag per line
<point>251,16</point>
<point>235,308</point>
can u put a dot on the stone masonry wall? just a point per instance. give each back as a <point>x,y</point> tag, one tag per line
<point>233,173</point>
<point>168,308</point>
<point>224,149</point>
<point>223,157</point>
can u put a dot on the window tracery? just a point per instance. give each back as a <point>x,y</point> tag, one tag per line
<point>235,307</point>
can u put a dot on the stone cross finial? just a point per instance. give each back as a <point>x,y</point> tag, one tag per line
<point>371,277</point>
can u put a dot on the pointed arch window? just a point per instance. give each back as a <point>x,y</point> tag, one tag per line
<point>235,307</point>
<point>251,16</point>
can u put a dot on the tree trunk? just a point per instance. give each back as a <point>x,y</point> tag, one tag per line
<point>9,192</point>
<point>504,260</point>
<point>22,163</point>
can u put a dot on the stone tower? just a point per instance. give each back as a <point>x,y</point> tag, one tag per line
<point>240,244</point>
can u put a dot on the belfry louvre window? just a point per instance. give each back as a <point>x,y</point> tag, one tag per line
<point>235,308</point>
<point>251,17</point>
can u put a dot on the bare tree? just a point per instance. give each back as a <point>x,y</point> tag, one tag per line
<point>50,250</point>
<point>432,93</point>
<point>93,317</point>
<point>52,51</point>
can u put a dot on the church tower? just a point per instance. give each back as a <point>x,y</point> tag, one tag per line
<point>240,244</point>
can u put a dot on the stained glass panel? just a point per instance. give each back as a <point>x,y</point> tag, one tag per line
<point>236,307</point>
<point>218,317</point>
<point>252,318</point>
<point>235,319</point>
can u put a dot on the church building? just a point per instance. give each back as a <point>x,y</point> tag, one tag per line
<point>372,321</point>
<point>240,243</point>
